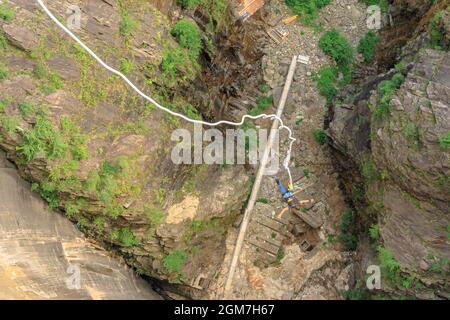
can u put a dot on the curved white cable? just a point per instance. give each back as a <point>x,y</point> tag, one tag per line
<point>156,104</point>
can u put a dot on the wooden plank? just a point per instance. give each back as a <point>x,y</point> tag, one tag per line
<point>313,220</point>
<point>264,246</point>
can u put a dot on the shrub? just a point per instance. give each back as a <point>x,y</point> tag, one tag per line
<point>188,36</point>
<point>326,82</point>
<point>389,265</point>
<point>127,25</point>
<point>338,47</point>
<point>26,108</point>
<point>127,238</point>
<point>176,63</point>
<point>126,66</point>
<point>262,103</point>
<point>188,4</point>
<point>309,8</point>
<point>320,136</point>
<point>174,261</point>
<point>386,89</point>
<point>347,230</point>
<point>3,72</point>
<point>6,13</point>
<point>3,41</point>
<point>369,170</point>
<point>374,232</point>
<point>444,141</point>
<point>437,32</point>
<point>367,45</point>
<point>42,139</point>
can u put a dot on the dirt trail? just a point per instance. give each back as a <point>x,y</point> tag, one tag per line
<point>293,273</point>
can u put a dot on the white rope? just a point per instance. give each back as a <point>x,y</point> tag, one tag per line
<point>156,104</point>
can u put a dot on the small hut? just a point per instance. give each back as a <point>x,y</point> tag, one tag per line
<point>246,8</point>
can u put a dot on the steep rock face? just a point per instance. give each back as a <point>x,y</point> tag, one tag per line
<point>402,164</point>
<point>125,190</point>
<point>416,191</point>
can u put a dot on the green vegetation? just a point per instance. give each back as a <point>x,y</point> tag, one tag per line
<point>369,170</point>
<point>50,80</point>
<point>3,72</point>
<point>3,41</point>
<point>327,82</point>
<point>177,65</point>
<point>6,13</point>
<point>174,261</point>
<point>339,48</point>
<point>307,9</point>
<point>320,136</point>
<point>126,237</point>
<point>189,4</point>
<point>105,183</point>
<point>390,268</point>
<point>444,141</point>
<point>367,44</point>
<point>26,108</point>
<point>437,33</point>
<point>359,292</point>
<point>280,256</point>
<point>383,4</point>
<point>126,66</point>
<point>262,200</point>
<point>127,24</point>
<point>188,36</point>
<point>347,230</point>
<point>413,133</point>
<point>386,89</point>
<point>374,232</point>
<point>262,103</point>
<point>306,173</point>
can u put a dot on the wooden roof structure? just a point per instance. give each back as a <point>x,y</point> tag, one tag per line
<point>246,8</point>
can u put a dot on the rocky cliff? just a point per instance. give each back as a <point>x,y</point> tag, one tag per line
<point>100,154</point>
<point>391,140</point>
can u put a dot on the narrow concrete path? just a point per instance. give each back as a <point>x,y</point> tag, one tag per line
<point>42,253</point>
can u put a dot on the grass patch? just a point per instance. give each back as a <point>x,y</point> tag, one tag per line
<point>367,44</point>
<point>436,31</point>
<point>338,47</point>
<point>386,89</point>
<point>27,108</point>
<point>6,13</point>
<point>3,72</point>
<point>320,136</point>
<point>174,261</point>
<point>444,141</point>
<point>390,267</point>
<point>374,232</point>
<point>189,4</point>
<point>126,66</point>
<point>177,66</point>
<point>188,36</point>
<point>262,104</point>
<point>127,24</point>
<point>327,82</point>
<point>307,9</point>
